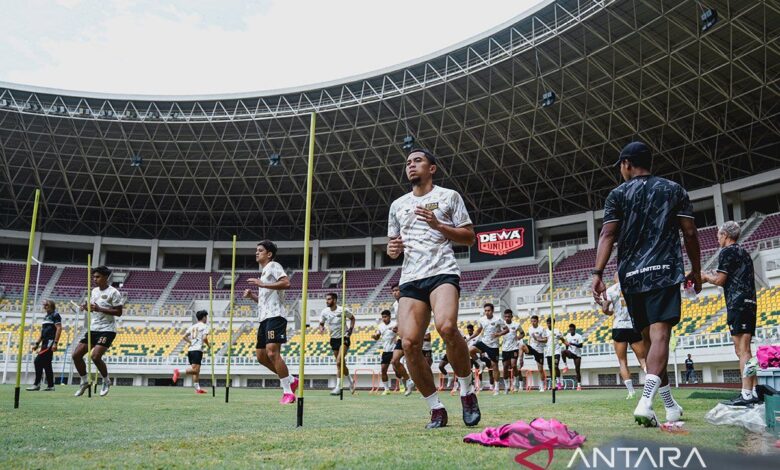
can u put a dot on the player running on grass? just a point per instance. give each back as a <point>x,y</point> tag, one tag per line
<point>106,305</point>
<point>623,335</point>
<point>573,351</point>
<point>386,333</point>
<point>491,328</point>
<point>196,336</point>
<point>537,340</point>
<point>406,384</point>
<point>272,332</point>
<point>552,350</point>
<point>422,226</point>
<point>331,316</point>
<point>510,352</point>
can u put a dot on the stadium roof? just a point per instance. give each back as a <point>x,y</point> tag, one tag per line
<point>706,102</point>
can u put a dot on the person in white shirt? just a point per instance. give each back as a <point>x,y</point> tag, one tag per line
<point>331,316</point>
<point>387,333</point>
<point>422,225</point>
<point>272,332</point>
<point>427,347</point>
<point>510,354</point>
<point>106,305</point>
<point>196,336</point>
<point>624,334</point>
<point>573,342</point>
<point>451,382</point>
<point>537,341</point>
<point>491,328</point>
<point>398,350</point>
<point>553,349</point>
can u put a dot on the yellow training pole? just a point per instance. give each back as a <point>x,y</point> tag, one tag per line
<point>211,332</point>
<point>89,324</point>
<point>552,322</point>
<point>305,291</point>
<point>24,299</point>
<point>230,322</point>
<point>343,351</point>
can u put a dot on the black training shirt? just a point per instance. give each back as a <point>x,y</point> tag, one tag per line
<point>649,251</point>
<point>689,364</point>
<point>48,327</point>
<point>740,288</point>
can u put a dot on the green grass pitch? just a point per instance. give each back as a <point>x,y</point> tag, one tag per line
<point>158,427</point>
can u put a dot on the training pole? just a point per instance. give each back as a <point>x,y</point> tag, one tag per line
<point>230,322</point>
<point>211,331</point>
<point>305,291</point>
<point>343,331</point>
<point>24,299</point>
<point>552,322</point>
<point>89,324</point>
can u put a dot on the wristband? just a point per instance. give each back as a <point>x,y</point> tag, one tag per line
<point>597,272</point>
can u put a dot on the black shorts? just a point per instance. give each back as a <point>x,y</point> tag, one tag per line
<point>427,353</point>
<point>549,360</point>
<point>742,320</point>
<point>100,338</point>
<point>509,355</point>
<point>271,330</point>
<point>655,306</point>
<point>398,346</point>
<point>387,357</point>
<point>195,357</point>
<point>538,357</point>
<point>492,353</point>
<point>335,343</point>
<point>626,335</point>
<point>421,289</point>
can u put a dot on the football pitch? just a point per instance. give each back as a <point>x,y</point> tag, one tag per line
<point>159,427</point>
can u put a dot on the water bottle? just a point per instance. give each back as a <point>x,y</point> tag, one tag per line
<point>689,291</point>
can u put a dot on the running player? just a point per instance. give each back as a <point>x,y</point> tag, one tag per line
<point>491,328</point>
<point>331,315</point>
<point>644,216</point>
<point>451,382</point>
<point>197,336</point>
<point>386,333</point>
<point>624,334</point>
<point>553,348</point>
<point>398,353</point>
<point>510,351</point>
<point>427,347</point>
<point>422,225</point>
<point>537,340</point>
<point>573,342</point>
<point>272,331</point>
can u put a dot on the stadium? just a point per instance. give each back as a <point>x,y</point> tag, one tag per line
<point>525,121</point>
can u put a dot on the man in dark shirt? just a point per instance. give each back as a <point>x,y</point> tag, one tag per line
<point>51,328</point>
<point>689,372</point>
<point>645,215</point>
<point>735,275</point>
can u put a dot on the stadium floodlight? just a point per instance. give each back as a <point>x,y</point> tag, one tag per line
<point>708,19</point>
<point>136,161</point>
<point>408,143</point>
<point>548,98</point>
<point>274,158</point>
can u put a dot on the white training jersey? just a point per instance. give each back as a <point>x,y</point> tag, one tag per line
<point>332,318</point>
<point>555,340</point>
<point>387,336</point>
<point>471,342</point>
<point>110,297</point>
<point>427,252</point>
<point>620,319</point>
<point>489,328</point>
<point>511,343</point>
<point>532,342</point>
<point>269,301</point>
<point>197,332</point>
<point>574,338</point>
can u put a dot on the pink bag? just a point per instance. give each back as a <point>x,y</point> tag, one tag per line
<point>526,436</point>
<point>768,356</point>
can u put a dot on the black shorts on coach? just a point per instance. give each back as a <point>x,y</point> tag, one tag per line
<point>100,338</point>
<point>626,335</point>
<point>655,306</point>
<point>421,289</point>
<point>387,357</point>
<point>271,330</point>
<point>742,320</point>
<point>195,357</point>
<point>335,343</point>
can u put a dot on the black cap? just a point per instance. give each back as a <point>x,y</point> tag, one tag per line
<point>636,152</point>
<point>431,157</point>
